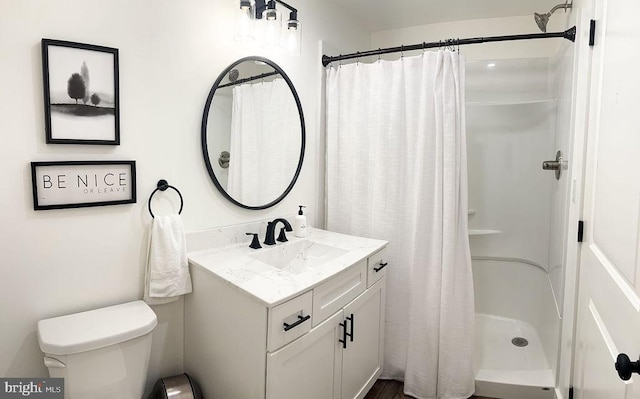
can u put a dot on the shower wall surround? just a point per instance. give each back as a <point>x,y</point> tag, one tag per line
<point>510,131</point>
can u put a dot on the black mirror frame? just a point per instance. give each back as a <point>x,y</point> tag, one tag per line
<point>205,116</point>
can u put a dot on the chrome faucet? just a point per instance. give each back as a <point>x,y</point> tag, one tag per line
<point>269,238</point>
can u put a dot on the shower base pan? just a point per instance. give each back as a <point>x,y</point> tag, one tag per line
<point>510,361</point>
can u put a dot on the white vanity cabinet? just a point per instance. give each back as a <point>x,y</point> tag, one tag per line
<point>236,346</point>
<point>339,358</point>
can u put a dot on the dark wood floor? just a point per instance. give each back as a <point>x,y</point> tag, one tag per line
<point>389,389</point>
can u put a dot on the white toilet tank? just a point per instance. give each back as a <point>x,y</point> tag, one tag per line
<point>102,353</point>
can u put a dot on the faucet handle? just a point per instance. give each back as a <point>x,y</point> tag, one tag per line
<point>282,237</point>
<point>255,243</point>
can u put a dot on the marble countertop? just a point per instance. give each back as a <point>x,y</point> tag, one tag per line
<point>270,285</point>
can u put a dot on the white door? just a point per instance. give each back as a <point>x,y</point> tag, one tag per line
<point>609,302</point>
<point>309,367</point>
<point>362,357</point>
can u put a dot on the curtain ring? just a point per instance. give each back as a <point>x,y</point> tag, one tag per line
<point>340,61</point>
<point>379,52</point>
<point>357,57</point>
<point>402,51</point>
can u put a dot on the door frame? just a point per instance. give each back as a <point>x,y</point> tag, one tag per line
<point>579,128</point>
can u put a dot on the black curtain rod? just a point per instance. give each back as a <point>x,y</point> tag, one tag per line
<point>569,34</point>
<point>249,79</point>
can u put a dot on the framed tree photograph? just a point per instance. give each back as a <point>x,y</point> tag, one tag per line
<point>81,103</point>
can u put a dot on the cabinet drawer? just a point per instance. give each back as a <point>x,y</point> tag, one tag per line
<point>334,294</point>
<point>289,321</point>
<point>376,267</point>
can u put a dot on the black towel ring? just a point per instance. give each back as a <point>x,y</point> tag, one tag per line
<point>162,186</point>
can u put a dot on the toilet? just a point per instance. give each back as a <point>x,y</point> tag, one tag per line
<point>102,353</point>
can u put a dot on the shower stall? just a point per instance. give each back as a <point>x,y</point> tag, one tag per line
<point>517,118</point>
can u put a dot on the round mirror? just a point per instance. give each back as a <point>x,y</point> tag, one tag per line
<point>253,134</point>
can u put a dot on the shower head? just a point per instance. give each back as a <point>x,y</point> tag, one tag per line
<point>543,19</point>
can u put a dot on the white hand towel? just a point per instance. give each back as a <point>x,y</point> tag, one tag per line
<point>167,276</point>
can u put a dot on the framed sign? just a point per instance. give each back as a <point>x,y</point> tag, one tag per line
<point>78,184</point>
<point>81,103</point>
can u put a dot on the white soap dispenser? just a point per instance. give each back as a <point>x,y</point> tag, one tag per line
<point>300,224</point>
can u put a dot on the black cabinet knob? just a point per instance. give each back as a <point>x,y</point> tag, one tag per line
<point>626,367</point>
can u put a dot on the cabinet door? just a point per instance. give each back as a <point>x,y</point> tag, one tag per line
<point>362,358</point>
<point>309,367</point>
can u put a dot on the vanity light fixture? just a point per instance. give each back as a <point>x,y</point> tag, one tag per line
<point>271,13</point>
<point>261,20</point>
<point>272,22</point>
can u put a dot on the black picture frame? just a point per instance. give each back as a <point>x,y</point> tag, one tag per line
<point>80,184</point>
<point>88,75</point>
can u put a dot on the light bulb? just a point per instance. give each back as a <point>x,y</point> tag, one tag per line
<point>292,37</point>
<point>272,25</point>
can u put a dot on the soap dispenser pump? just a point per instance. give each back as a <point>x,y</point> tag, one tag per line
<point>300,223</point>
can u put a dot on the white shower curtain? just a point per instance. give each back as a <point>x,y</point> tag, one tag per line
<point>265,141</point>
<point>396,169</point>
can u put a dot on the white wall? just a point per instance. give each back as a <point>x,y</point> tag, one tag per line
<point>61,261</point>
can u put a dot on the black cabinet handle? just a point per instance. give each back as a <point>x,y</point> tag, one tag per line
<point>626,367</point>
<point>382,266</point>
<point>346,334</point>
<point>301,319</point>
<point>343,341</point>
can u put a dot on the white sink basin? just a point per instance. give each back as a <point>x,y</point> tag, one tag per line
<point>298,256</point>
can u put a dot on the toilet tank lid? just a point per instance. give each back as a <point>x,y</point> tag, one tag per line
<point>94,329</point>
